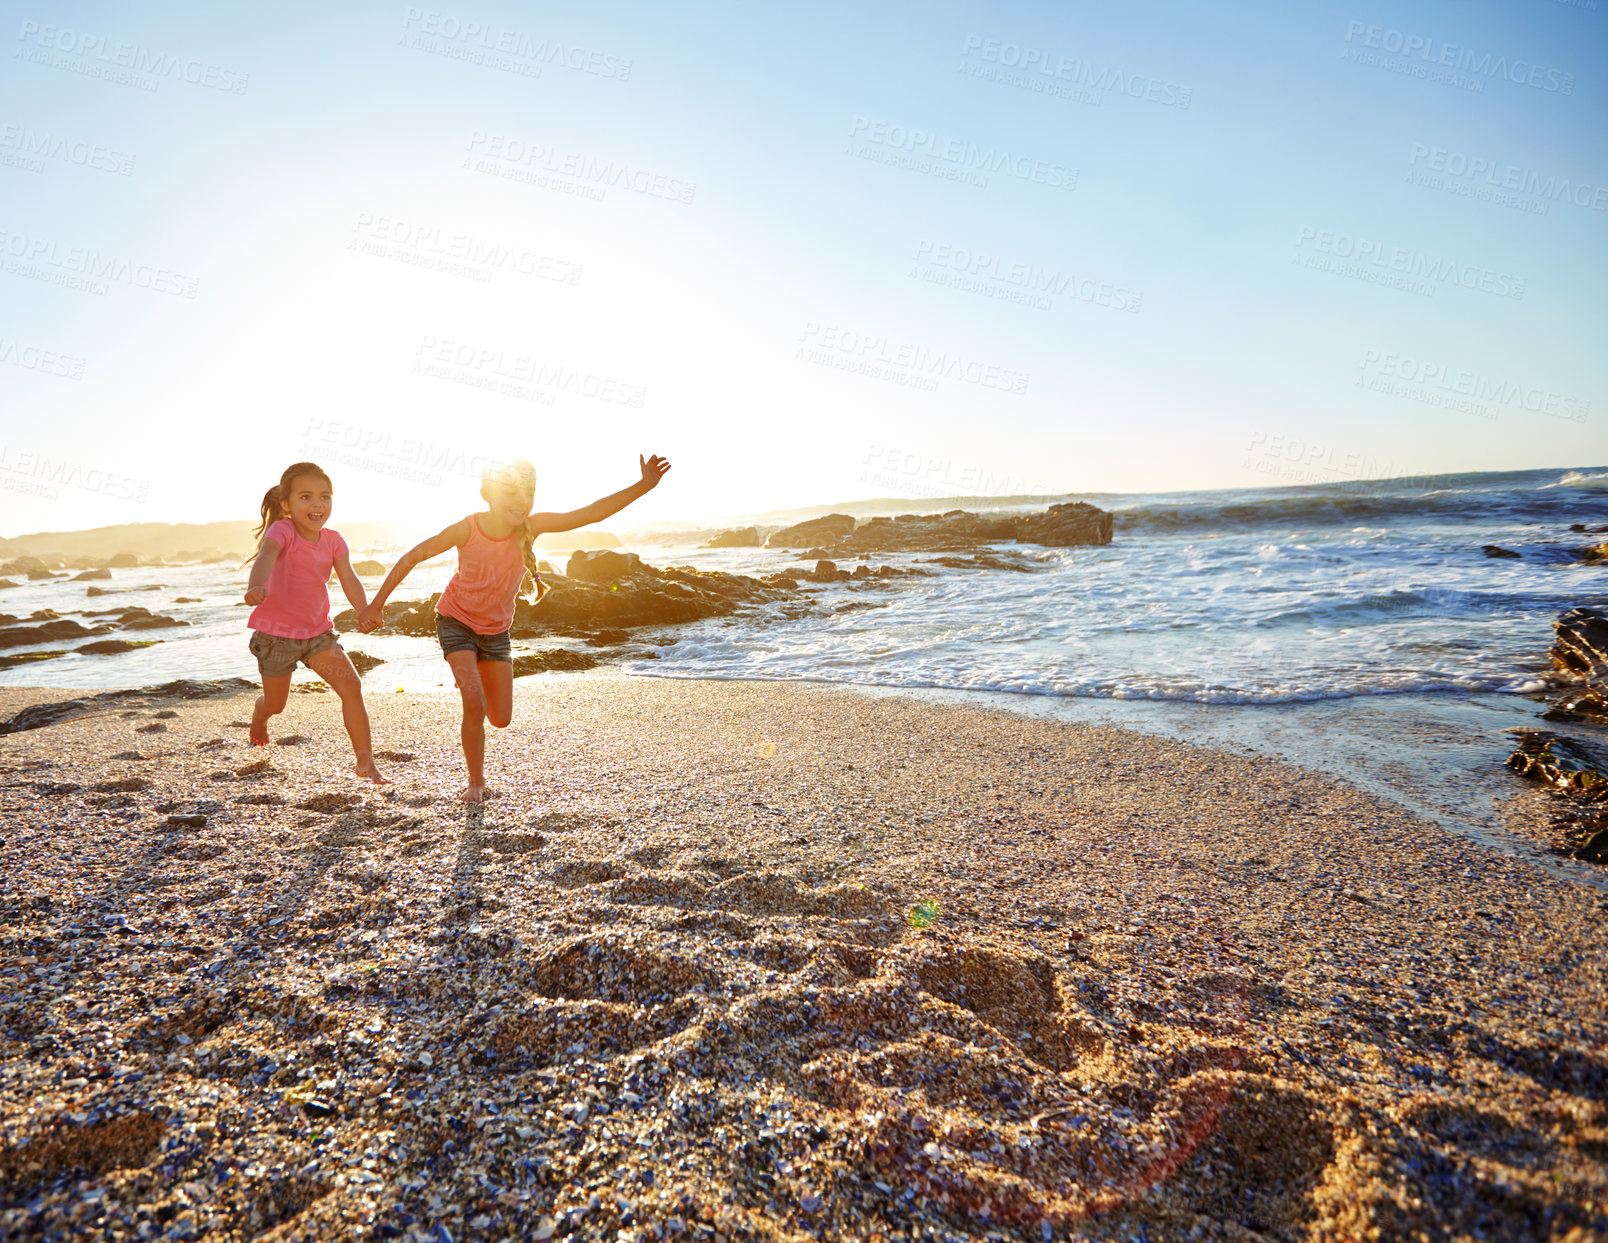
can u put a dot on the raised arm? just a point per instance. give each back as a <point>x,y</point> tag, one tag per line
<point>653,470</point>
<point>451,537</point>
<point>350,583</point>
<point>261,568</point>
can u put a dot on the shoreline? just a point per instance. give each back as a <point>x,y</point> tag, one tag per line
<point>777,963</point>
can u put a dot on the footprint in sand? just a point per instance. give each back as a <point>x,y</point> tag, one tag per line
<point>292,740</point>
<point>128,785</point>
<point>978,1071</point>
<point>513,843</point>
<point>396,757</point>
<point>126,755</point>
<point>330,802</point>
<point>155,727</point>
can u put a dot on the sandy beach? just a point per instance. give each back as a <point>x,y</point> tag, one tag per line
<point>731,960</point>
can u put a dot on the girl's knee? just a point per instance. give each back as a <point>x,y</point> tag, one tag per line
<point>500,717</point>
<point>347,687</point>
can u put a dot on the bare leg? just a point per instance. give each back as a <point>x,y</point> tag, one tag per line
<point>275,691</point>
<point>473,732</point>
<point>497,684</point>
<point>336,668</point>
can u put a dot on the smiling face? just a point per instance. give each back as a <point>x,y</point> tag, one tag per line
<point>508,501</point>
<point>308,503</point>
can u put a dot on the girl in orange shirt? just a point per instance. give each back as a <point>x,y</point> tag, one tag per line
<point>477,606</point>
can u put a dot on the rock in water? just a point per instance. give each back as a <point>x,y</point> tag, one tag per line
<point>1060,526</point>
<point>741,537</point>
<point>363,662</point>
<point>1560,762</point>
<point>1580,650</point>
<point>604,567</point>
<point>1492,550</point>
<point>816,531</point>
<point>554,660</point>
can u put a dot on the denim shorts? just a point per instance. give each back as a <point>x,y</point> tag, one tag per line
<point>457,637</point>
<point>277,656</point>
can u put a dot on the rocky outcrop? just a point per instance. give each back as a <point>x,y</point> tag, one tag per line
<point>113,647</point>
<point>49,632</point>
<point>363,662</point>
<point>86,576</point>
<point>29,567</point>
<point>12,660</point>
<point>1580,647</point>
<point>816,531</point>
<point>1069,525</point>
<point>741,537</point>
<point>367,567</point>
<point>1578,774</point>
<point>1494,550</point>
<point>1579,656</point>
<point>606,590</point>
<point>554,660</point>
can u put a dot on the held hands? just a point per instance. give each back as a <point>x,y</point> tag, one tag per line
<point>653,469</point>
<point>370,618</point>
<point>256,595</point>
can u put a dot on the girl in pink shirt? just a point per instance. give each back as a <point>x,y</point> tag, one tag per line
<point>477,606</point>
<point>289,587</point>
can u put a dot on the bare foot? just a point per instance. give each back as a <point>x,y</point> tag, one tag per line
<point>257,734</point>
<point>472,794</point>
<point>365,768</point>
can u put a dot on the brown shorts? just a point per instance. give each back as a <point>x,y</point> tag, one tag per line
<point>277,657</point>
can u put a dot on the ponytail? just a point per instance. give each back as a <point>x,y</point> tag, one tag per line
<point>527,550</point>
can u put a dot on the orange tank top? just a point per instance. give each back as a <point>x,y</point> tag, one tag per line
<point>482,593</point>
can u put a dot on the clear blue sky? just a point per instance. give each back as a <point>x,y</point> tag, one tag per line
<point>810,255</point>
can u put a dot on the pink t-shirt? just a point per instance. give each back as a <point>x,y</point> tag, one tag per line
<point>297,606</point>
<point>482,593</point>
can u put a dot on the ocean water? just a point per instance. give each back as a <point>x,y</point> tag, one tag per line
<point>1247,596</point>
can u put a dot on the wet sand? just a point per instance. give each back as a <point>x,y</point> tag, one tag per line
<point>758,960</point>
